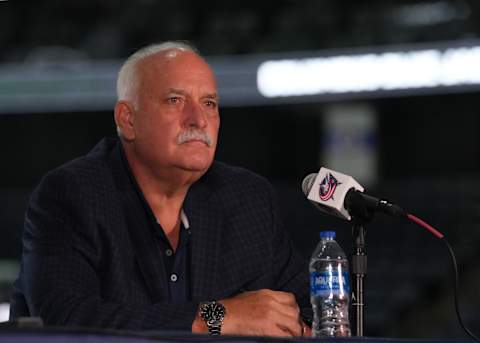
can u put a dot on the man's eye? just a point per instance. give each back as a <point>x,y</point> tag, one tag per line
<point>174,100</point>
<point>211,103</point>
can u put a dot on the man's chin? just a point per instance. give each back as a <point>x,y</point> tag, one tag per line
<point>196,166</point>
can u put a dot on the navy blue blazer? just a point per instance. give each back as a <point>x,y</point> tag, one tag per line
<point>88,261</point>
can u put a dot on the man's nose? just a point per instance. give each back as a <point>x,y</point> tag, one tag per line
<point>195,115</point>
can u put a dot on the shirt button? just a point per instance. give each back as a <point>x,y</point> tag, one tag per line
<point>169,252</point>
<point>173,277</point>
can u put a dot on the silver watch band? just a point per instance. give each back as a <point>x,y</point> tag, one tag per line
<point>215,329</point>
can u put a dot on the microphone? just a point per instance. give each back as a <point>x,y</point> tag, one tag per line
<point>342,196</point>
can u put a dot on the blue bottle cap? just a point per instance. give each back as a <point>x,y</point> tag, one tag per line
<point>327,234</point>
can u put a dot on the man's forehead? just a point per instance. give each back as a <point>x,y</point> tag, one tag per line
<point>175,56</point>
<point>179,62</point>
<point>183,71</point>
<point>172,53</point>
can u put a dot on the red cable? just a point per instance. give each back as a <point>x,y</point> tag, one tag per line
<point>438,234</point>
<point>430,228</point>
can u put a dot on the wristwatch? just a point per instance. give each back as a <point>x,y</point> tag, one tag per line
<point>213,312</point>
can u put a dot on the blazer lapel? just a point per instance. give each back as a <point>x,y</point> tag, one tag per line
<point>205,221</point>
<point>205,224</point>
<point>139,224</point>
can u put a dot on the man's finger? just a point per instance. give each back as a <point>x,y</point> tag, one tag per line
<point>290,311</point>
<point>284,297</point>
<point>294,330</point>
<point>289,322</point>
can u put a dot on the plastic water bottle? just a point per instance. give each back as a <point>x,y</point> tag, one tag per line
<point>329,288</point>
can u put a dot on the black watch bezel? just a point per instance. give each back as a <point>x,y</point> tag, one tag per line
<point>213,313</point>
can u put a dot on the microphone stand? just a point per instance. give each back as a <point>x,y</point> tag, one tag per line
<point>359,270</point>
<point>361,215</point>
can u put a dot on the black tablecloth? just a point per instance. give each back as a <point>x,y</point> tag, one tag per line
<point>61,335</point>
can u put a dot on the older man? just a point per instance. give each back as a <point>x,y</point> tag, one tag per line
<point>149,233</point>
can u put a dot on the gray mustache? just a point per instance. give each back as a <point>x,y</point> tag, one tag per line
<point>191,135</point>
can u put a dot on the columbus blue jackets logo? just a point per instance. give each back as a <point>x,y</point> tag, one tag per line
<point>327,187</point>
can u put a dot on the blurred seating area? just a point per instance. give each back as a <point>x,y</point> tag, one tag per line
<point>32,31</point>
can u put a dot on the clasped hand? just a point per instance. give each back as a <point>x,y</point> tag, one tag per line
<point>262,313</point>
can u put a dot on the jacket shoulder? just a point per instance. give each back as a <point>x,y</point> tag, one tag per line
<point>238,185</point>
<point>89,166</point>
<point>231,176</point>
<point>88,176</point>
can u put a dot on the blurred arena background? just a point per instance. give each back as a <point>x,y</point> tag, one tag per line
<point>411,137</point>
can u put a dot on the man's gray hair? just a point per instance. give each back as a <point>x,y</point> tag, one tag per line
<point>126,81</point>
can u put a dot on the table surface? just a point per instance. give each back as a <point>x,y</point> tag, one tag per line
<point>60,335</point>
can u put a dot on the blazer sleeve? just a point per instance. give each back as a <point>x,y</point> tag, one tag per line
<point>291,267</point>
<point>59,276</point>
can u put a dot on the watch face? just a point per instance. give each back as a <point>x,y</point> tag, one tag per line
<point>213,311</point>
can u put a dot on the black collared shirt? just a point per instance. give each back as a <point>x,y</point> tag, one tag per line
<point>176,263</point>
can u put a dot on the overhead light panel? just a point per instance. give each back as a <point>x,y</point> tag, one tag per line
<point>370,72</point>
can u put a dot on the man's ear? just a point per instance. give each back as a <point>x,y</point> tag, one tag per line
<point>125,118</point>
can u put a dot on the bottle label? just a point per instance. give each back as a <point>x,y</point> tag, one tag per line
<point>326,283</point>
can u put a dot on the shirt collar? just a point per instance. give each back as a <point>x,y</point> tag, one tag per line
<point>184,219</point>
